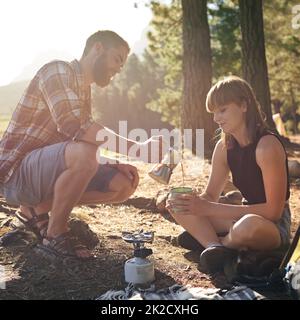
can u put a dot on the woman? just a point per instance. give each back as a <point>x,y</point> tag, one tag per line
<point>258,164</point>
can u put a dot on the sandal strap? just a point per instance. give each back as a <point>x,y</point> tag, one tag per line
<point>31,223</point>
<point>60,238</point>
<point>43,230</point>
<point>38,217</point>
<point>64,244</point>
<point>35,219</point>
<point>61,244</point>
<point>32,211</point>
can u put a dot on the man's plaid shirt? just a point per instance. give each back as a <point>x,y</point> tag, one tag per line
<point>55,107</point>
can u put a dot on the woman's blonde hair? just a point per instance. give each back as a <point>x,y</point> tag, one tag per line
<point>233,89</point>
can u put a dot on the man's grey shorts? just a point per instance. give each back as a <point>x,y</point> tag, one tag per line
<point>33,182</point>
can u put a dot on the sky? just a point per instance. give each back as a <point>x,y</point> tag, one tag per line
<point>31,28</point>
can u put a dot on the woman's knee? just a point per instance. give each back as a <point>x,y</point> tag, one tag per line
<point>247,228</point>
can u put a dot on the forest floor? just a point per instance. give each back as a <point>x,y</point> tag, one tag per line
<point>30,276</point>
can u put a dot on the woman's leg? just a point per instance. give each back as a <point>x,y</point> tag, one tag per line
<point>250,232</point>
<point>253,232</point>
<point>204,230</point>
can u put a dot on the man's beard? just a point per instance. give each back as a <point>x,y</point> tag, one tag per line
<point>101,72</point>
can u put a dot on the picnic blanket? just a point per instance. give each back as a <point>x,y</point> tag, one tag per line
<point>180,292</point>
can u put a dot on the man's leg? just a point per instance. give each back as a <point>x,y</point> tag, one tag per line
<point>119,183</point>
<point>81,165</point>
<point>69,189</point>
<point>92,197</point>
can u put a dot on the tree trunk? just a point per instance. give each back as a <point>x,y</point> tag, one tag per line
<point>197,71</point>
<point>254,62</point>
<point>294,111</point>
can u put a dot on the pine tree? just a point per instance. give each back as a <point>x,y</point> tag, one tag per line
<point>254,62</point>
<point>283,52</point>
<point>197,70</point>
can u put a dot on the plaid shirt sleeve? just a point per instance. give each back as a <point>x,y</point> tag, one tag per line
<point>59,89</point>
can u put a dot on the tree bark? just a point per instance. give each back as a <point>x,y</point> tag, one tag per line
<point>254,62</point>
<point>197,71</point>
<point>294,111</point>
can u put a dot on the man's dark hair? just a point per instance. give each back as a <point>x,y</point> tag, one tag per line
<point>109,39</point>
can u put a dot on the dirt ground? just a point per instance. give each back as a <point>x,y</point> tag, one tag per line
<point>28,275</point>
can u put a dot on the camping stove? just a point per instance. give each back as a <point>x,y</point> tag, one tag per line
<point>139,270</point>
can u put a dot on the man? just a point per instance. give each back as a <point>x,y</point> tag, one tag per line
<point>48,152</point>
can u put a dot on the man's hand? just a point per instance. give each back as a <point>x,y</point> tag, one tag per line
<point>130,172</point>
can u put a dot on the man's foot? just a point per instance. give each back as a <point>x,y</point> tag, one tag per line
<point>213,258</point>
<point>37,223</point>
<point>65,246</point>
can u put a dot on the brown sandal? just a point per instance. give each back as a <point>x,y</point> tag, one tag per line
<point>63,246</point>
<point>31,223</point>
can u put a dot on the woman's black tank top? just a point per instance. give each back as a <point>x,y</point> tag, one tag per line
<point>246,174</point>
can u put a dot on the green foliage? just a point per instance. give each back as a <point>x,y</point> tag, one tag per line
<point>165,46</point>
<point>225,37</point>
<point>126,97</point>
<point>155,81</point>
<point>168,104</point>
<point>283,52</point>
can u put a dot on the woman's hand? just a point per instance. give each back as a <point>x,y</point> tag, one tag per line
<point>188,204</point>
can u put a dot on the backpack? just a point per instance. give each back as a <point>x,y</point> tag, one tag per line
<point>277,270</point>
<point>292,263</point>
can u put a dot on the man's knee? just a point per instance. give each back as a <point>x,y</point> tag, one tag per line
<point>81,156</point>
<point>122,186</point>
